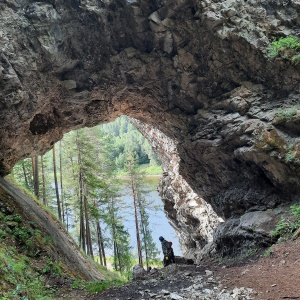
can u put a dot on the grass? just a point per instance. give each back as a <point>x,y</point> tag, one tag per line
<point>146,169</point>
<point>18,279</point>
<point>268,252</point>
<point>271,140</point>
<point>98,286</point>
<point>34,198</point>
<point>21,273</point>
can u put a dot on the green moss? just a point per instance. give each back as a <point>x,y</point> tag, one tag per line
<point>286,115</point>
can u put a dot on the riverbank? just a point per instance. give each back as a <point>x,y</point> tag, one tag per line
<point>145,169</point>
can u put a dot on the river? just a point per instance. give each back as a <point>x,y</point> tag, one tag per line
<point>158,221</point>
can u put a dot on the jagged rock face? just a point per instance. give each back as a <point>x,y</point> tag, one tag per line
<point>191,216</point>
<point>196,70</point>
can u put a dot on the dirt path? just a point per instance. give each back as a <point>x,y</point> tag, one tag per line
<point>274,277</point>
<point>263,278</point>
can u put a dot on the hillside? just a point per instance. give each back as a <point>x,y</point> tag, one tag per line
<point>34,246</point>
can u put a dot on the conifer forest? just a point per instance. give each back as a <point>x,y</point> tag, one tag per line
<point>81,181</point>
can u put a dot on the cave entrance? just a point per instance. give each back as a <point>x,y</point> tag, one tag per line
<point>93,162</point>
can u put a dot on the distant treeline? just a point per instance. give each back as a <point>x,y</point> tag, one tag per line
<point>127,139</point>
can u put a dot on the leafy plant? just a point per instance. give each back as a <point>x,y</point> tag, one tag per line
<point>296,59</point>
<point>2,233</point>
<point>268,252</point>
<point>23,281</point>
<point>288,225</point>
<point>52,267</point>
<point>290,155</point>
<point>288,48</point>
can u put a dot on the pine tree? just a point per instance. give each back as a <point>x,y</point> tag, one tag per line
<point>61,183</point>
<point>131,167</point>
<point>43,181</point>
<point>56,183</point>
<point>149,246</point>
<point>120,237</point>
<point>35,168</point>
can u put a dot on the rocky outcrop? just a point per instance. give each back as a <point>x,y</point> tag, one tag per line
<point>192,218</point>
<point>178,282</point>
<point>196,70</point>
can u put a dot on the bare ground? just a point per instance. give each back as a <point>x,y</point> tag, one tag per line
<point>274,277</point>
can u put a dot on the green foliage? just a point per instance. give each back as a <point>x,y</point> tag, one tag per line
<point>47,240</point>
<point>150,169</point>
<point>95,287</point>
<point>51,267</point>
<point>288,225</point>
<point>126,138</point>
<point>290,155</point>
<point>285,115</point>
<point>296,59</point>
<point>98,286</point>
<point>21,281</point>
<point>268,252</point>
<point>287,48</point>
<point>89,157</point>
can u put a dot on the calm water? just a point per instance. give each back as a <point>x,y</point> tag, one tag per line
<point>158,221</point>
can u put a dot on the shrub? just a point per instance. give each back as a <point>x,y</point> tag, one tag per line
<point>288,225</point>
<point>288,48</point>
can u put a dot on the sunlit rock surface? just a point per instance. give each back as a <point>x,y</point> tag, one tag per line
<point>196,70</point>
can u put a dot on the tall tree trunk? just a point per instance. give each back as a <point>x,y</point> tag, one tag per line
<point>35,175</point>
<point>115,255</point>
<point>100,238</point>
<point>61,184</point>
<point>119,257</point>
<point>56,184</point>
<point>43,181</point>
<point>32,169</point>
<point>81,222</point>
<point>114,235</point>
<point>136,217</point>
<point>67,219</point>
<point>87,225</point>
<point>82,237</point>
<point>99,242</point>
<point>25,174</point>
<point>144,232</point>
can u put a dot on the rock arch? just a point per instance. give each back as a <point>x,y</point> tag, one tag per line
<point>195,70</point>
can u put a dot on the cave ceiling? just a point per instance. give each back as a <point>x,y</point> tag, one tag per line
<point>197,71</point>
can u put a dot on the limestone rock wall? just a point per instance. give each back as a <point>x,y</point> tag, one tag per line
<point>196,70</point>
<point>192,218</point>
